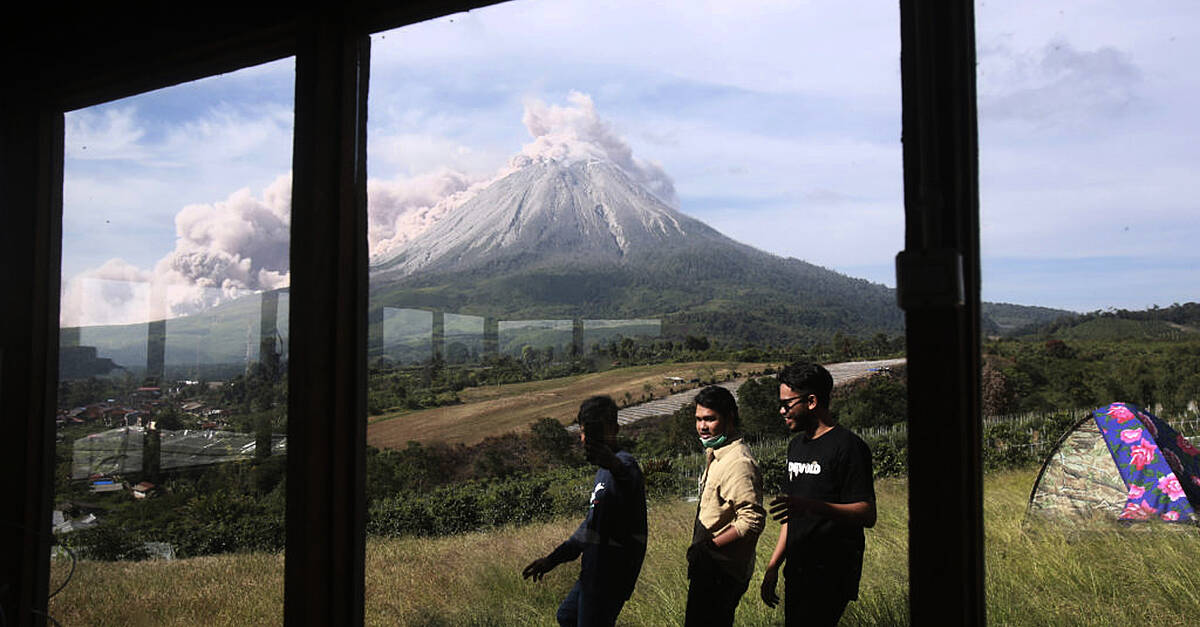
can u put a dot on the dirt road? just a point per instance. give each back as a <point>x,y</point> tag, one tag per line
<point>843,372</point>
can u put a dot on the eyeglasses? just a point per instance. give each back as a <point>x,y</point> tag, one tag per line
<point>786,404</point>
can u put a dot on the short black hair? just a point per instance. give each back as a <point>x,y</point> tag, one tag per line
<point>600,409</point>
<point>720,400</point>
<point>805,377</point>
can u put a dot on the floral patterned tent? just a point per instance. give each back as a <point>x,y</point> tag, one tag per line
<point>1120,462</point>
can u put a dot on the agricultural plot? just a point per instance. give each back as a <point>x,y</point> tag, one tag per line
<point>495,410</point>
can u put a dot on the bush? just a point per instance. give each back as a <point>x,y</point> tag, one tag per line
<point>878,401</point>
<point>225,522</point>
<point>889,454</point>
<point>106,542</point>
<point>758,405</point>
<point>518,500</point>
<point>553,440</point>
<point>474,504</point>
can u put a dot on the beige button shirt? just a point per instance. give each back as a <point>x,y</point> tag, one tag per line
<point>731,495</point>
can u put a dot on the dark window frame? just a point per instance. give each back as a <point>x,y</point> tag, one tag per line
<point>59,63</point>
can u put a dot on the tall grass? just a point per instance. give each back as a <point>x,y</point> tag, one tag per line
<point>1036,575</point>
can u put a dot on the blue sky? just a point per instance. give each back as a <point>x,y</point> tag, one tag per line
<point>778,123</point>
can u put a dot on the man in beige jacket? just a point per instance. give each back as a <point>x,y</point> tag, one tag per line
<point>730,516</point>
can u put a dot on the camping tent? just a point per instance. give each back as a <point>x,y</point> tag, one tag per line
<point>1120,462</point>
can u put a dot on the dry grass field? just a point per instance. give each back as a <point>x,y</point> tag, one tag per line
<point>499,409</point>
<point>1110,576</point>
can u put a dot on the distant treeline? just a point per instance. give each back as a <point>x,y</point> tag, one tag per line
<point>1024,376</point>
<point>1107,324</point>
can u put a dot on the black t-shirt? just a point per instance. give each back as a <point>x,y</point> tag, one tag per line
<point>835,468</point>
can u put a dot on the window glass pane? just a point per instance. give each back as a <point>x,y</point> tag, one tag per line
<point>569,199</point>
<point>172,399</point>
<point>1087,153</point>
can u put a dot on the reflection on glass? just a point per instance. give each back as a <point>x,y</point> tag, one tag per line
<point>172,395</point>
<point>567,200</point>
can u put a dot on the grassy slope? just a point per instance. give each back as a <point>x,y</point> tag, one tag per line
<point>494,410</point>
<point>1106,577</point>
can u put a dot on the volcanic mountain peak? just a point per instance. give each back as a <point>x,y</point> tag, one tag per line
<point>546,208</point>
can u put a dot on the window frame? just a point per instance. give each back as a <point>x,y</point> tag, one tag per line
<point>60,63</point>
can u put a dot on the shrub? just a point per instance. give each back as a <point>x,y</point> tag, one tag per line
<point>758,405</point>
<point>553,440</point>
<point>106,542</point>
<point>878,401</point>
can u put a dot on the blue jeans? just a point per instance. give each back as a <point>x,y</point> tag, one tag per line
<point>589,607</point>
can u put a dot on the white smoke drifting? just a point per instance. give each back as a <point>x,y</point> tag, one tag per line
<point>399,210</point>
<point>576,133</point>
<point>402,209</point>
<point>223,251</point>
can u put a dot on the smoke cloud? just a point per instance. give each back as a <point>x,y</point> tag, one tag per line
<point>223,251</point>
<point>402,209</point>
<point>577,133</point>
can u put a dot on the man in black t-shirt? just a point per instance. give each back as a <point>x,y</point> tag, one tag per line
<point>830,499</point>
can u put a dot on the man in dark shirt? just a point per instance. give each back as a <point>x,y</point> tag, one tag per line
<point>612,538</point>
<point>830,499</point>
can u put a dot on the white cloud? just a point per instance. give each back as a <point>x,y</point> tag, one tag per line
<point>114,293</point>
<point>1088,151</point>
<point>1057,85</point>
<point>226,134</point>
<point>408,154</point>
<point>108,134</point>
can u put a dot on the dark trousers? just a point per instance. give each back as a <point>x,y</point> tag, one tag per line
<point>813,597</point>
<point>586,607</point>
<point>713,597</point>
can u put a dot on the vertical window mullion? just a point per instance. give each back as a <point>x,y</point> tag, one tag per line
<point>938,283</point>
<point>327,369</point>
<point>31,143</point>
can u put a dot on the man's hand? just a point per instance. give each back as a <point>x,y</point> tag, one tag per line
<point>600,454</point>
<point>770,578</point>
<point>784,507</point>
<point>537,569</point>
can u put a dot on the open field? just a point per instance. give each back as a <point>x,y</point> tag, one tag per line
<point>1110,576</point>
<point>499,409</point>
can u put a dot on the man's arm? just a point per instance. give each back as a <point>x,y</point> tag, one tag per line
<point>565,552</point>
<point>861,513</point>
<point>742,485</point>
<point>771,574</point>
<point>600,454</point>
<point>745,489</point>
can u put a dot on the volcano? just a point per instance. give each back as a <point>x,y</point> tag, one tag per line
<point>559,239</point>
<point>582,239</point>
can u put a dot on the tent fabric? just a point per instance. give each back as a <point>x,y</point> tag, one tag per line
<point>1079,479</point>
<point>1120,462</point>
<point>1136,440</point>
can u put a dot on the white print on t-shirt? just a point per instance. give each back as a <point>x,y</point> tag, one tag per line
<point>596,493</point>
<point>796,469</point>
